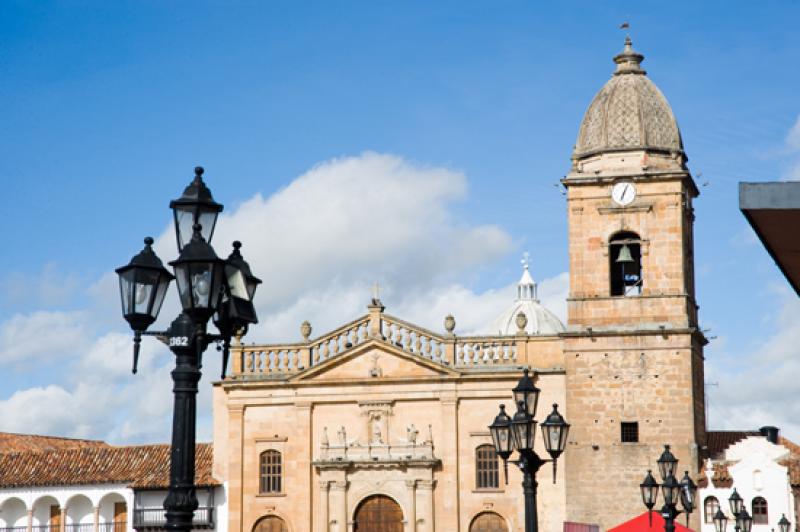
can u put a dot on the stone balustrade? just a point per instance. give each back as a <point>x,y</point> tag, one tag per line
<point>279,361</point>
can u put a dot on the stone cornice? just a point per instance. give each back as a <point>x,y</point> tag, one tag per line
<point>590,332</point>
<point>394,463</point>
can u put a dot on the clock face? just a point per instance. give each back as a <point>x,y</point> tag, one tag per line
<point>623,193</point>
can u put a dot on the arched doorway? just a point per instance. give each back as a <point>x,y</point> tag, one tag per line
<point>270,523</point>
<point>488,522</point>
<point>378,513</point>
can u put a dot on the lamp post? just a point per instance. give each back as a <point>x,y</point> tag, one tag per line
<point>784,524</point>
<point>519,433</point>
<point>674,492</point>
<point>208,287</point>
<point>743,520</point>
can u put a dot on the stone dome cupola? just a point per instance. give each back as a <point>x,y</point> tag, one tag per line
<point>629,114</point>
<point>538,319</point>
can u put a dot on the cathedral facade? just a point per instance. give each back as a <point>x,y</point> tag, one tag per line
<point>381,425</point>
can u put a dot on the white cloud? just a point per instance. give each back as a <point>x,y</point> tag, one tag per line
<point>48,288</point>
<point>760,387</point>
<point>793,138</point>
<point>42,335</point>
<point>357,220</point>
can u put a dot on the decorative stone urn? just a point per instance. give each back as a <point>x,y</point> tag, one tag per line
<point>305,330</point>
<point>449,324</point>
<point>522,322</point>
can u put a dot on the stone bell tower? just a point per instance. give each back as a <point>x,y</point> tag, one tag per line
<point>633,350</point>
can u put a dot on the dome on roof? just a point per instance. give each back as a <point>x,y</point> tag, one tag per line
<point>629,113</point>
<point>540,321</point>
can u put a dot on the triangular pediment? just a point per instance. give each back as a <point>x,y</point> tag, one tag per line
<point>375,360</point>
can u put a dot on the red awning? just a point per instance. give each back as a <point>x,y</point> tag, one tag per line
<point>642,524</point>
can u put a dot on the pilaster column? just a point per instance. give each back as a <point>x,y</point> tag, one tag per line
<point>62,526</point>
<point>339,504</point>
<point>302,416</point>
<point>412,501</point>
<point>450,514</point>
<point>97,518</point>
<point>30,520</point>
<point>425,488</point>
<point>323,519</point>
<point>235,466</point>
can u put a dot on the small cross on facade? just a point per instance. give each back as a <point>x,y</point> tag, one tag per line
<point>526,260</point>
<point>376,291</point>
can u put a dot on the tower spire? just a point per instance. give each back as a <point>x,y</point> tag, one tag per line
<point>526,288</point>
<point>628,60</point>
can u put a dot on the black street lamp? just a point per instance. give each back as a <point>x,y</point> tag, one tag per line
<point>720,521</point>
<point>208,286</point>
<point>784,524</point>
<point>674,492</point>
<point>743,521</point>
<point>519,433</point>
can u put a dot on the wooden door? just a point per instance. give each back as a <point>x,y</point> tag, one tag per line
<point>488,522</point>
<point>120,516</point>
<point>55,518</point>
<point>270,523</point>
<point>379,513</point>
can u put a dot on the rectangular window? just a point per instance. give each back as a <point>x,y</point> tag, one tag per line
<point>271,472</point>
<point>629,431</point>
<point>487,468</point>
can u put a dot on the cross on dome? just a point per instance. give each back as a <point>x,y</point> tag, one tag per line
<point>526,288</point>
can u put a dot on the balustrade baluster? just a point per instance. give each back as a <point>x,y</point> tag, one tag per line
<point>323,350</point>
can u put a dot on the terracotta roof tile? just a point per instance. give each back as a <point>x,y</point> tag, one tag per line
<point>719,440</point>
<point>18,443</point>
<point>793,462</point>
<point>140,466</point>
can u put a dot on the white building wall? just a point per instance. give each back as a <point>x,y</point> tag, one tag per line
<point>79,501</point>
<point>756,473</point>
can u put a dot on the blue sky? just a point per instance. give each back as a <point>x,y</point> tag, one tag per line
<point>107,107</point>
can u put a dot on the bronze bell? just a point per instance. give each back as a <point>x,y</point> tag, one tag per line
<point>624,254</point>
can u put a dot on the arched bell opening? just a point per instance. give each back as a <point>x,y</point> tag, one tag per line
<point>625,264</point>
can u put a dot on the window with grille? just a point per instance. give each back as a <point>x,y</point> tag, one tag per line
<point>629,432</point>
<point>487,467</point>
<point>760,511</point>
<point>710,507</point>
<point>271,472</point>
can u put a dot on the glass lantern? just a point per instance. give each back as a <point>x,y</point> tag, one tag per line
<point>195,206</point>
<point>501,434</point>
<point>199,276</point>
<point>667,464</point>
<point>555,431</point>
<point>143,283</point>
<point>527,392</point>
